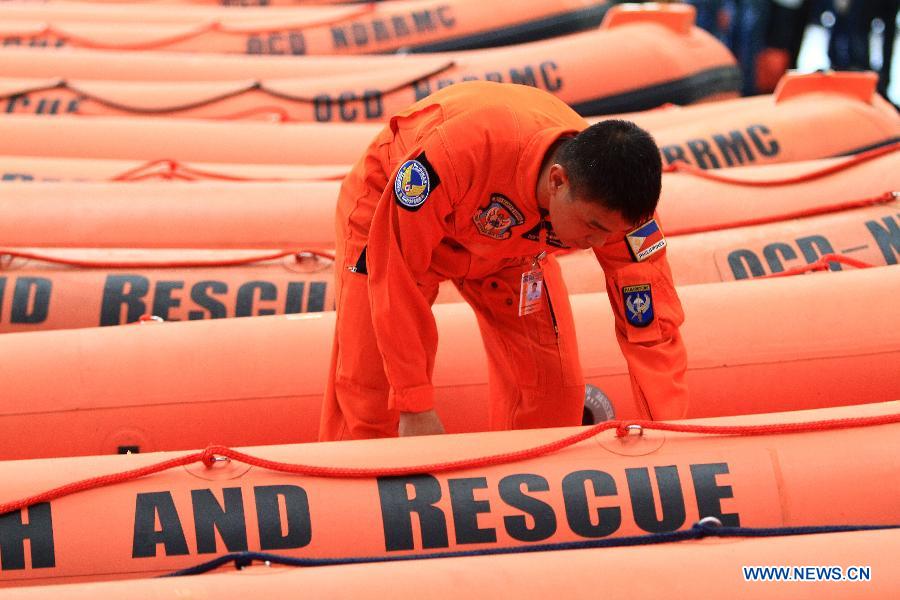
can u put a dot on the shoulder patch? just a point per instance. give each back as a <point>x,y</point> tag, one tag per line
<point>497,218</point>
<point>645,241</point>
<point>638,301</point>
<point>415,180</point>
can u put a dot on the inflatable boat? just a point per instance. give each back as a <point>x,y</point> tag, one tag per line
<point>668,60</point>
<point>260,380</point>
<point>430,495</point>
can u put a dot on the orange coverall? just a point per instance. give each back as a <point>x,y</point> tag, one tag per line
<point>480,146</point>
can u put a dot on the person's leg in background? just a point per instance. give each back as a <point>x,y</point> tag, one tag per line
<point>784,36</point>
<point>886,10</point>
<point>749,23</point>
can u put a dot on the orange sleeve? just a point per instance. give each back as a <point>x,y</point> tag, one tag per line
<point>649,336</point>
<point>413,215</point>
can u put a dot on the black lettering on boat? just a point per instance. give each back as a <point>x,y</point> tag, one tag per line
<point>38,530</point>
<point>887,236</point>
<point>734,148</point>
<point>363,32</point>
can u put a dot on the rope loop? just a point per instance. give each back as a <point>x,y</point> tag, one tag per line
<point>215,453</point>
<point>625,428</point>
<point>208,457</point>
<point>8,254</point>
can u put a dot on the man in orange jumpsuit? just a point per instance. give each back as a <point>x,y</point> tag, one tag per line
<point>479,183</point>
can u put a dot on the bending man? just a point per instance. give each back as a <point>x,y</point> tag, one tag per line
<point>479,184</point>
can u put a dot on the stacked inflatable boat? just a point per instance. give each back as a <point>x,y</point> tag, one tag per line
<point>168,179</point>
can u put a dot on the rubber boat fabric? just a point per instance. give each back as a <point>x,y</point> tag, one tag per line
<point>781,127</point>
<point>30,168</point>
<point>68,288</point>
<point>124,387</point>
<point>683,64</point>
<point>704,567</point>
<point>275,244</point>
<point>298,215</point>
<point>360,498</point>
<point>425,26</point>
<point>127,95</point>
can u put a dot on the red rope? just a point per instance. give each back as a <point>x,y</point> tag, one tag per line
<point>279,114</point>
<point>622,428</point>
<point>856,159</point>
<point>822,264</point>
<point>798,214</point>
<point>176,170</point>
<point>211,27</point>
<point>149,264</point>
<point>173,169</point>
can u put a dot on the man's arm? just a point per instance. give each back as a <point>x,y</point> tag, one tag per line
<point>411,219</point>
<point>648,316</point>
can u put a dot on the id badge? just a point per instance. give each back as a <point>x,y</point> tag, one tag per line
<point>531,291</point>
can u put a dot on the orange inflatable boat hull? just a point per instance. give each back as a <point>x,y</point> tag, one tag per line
<point>124,387</point>
<point>753,194</point>
<point>185,140</point>
<point>64,289</point>
<point>865,236</point>
<point>789,129</point>
<point>275,216</point>
<point>669,60</point>
<point>295,215</point>
<point>426,26</point>
<point>150,12</point>
<point>15,168</point>
<point>124,65</point>
<point>843,176</point>
<point>232,3</point>
<point>787,126</point>
<point>18,168</point>
<point>189,514</point>
<point>711,567</point>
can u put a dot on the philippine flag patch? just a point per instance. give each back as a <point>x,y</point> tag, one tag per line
<point>645,241</point>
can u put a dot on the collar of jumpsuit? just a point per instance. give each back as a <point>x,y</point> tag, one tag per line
<point>509,226</point>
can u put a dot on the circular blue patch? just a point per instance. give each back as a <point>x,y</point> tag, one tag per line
<point>412,185</point>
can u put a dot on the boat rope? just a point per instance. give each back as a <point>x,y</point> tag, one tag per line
<point>213,454</point>
<point>708,527</point>
<point>235,90</point>
<point>277,114</point>
<point>822,264</point>
<point>203,29</point>
<point>6,254</point>
<point>170,169</point>
<point>713,175</point>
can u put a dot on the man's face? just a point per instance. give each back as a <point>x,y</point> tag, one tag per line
<point>580,222</point>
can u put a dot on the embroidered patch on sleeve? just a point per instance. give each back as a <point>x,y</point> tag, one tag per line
<point>497,218</point>
<point>415,180</point>
<point>638,301</point>
<point>645,241</point>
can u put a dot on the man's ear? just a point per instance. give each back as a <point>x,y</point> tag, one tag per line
<point>558,176</point>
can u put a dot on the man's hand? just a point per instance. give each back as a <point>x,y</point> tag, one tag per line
<point>423,423</point>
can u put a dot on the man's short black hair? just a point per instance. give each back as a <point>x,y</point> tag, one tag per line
<point>617,163</point>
